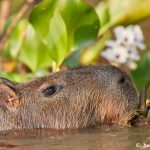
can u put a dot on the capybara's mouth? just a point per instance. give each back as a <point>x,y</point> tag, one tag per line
<point>138,118</point>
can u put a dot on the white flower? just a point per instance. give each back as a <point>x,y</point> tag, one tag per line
<point>118,31</point>
<point>116,54</point>
<point>130,36</point>
<point>123,50</point>
<point>133,53</point>
<point>131,64</point>
<point>122,55</point>
<point>111,43</point>
<point>139,38</point>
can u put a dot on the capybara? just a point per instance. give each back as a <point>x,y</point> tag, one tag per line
<point>72,99</point>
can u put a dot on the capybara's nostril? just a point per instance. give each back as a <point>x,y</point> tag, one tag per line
<point>122,80</point>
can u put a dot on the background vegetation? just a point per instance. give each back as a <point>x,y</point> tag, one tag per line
<point>40,36</point>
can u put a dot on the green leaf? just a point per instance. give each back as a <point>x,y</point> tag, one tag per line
<point>17,77</point>
<point>74,26</point>
<point>127,11</point>
<point>34,53</point>
<point>123,12</point>
<point>83,38</point>
<point>57,38</point>
<point>15,41</point>
<point>141,75</point>
<point>87,55</point>
<point>78,15</point>
<point>40,17</point>
<point>103,13</point>
<point>92,52</point>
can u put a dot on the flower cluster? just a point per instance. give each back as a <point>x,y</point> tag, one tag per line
<point>124,50</point>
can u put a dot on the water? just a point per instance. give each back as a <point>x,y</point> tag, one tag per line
<point>102,138</point>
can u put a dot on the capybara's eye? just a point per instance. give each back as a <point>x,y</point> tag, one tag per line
<point>122,80</point>
<point>49,91</point>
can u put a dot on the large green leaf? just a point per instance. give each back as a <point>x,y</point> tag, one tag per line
<point>40,18</point>
<point>123,12</point>
<point>141,75</point>
<point>103,13</point>
<point>34,53</point>
<point>79,16</point>
<point>57,38</point>
<point>80,20</point>
<point>127,11</point>
<point>88,38</point>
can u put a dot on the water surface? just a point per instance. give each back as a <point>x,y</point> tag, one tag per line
<point>102,138</point>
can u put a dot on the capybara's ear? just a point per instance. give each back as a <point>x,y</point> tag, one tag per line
<point>9,83</point>
<point>8,94</point>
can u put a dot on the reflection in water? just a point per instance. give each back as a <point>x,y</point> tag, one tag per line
<point>102,138</point>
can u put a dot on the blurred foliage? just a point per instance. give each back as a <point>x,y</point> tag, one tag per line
<point>68,25</point>
<point>116,12</point>
<point>69,32</point>
<point>25,47</point>
<point>141,75</point>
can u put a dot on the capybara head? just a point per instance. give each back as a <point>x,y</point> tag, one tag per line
<point>77,98</point>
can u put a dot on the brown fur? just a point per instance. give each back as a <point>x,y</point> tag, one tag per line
<point>86,97</point>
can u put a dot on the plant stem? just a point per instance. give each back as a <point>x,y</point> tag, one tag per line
<point>55,67</point>
<point>19,15</point>
<point>4,13</point>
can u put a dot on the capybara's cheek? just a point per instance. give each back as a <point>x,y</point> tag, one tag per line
<point>3,110</point>
<point>3,98</point>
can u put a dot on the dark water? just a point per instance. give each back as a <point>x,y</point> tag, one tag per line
<point>103,138</point>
